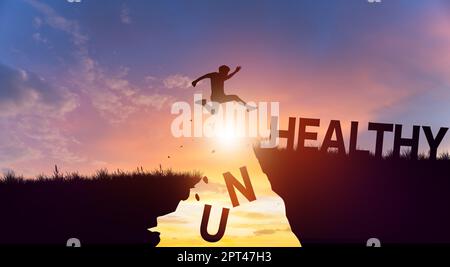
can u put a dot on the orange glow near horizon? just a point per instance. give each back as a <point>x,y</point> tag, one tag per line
<point>259,223</point>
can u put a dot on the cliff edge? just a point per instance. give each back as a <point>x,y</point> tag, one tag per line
<point>108,209</point>
<point>341,199</point>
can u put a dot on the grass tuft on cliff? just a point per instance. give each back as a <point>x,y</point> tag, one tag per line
<point>104,175</point>
<point>115,207</point>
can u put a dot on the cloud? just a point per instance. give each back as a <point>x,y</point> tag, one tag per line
<point>212,187</point>
<point>113,96</point>
<point>125,15</point>
<point>13,149</point>
<point>177,81</point>
<point>31,107</point>
<point>24,92</point>
<point>269,231</point>
<point>33,110</point>
<point>174,219</point>
<point>155,100</point>
<point>37,22</point>
<point>35,137</point>
<point>58,22</point>
<point>265,232</point>
<point>253,215</point>
<point>39,38</point>
<point>42,134</point>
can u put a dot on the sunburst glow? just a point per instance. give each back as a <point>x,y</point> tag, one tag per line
<point>229,137</point>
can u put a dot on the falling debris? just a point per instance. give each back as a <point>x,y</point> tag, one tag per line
<point>205,179</point>
<point>168,157</point>
<point>197,197</point>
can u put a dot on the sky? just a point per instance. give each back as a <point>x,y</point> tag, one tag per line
<point>90,85</point>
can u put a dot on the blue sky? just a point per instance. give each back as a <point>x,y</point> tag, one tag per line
<point>196,30</point>
<point>73,74</point>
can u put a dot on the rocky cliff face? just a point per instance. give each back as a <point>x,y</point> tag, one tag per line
<point>333,199</point>
<point>111,210</point>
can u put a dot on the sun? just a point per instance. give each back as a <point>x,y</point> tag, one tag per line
<point>231,136</point>
<point>227,137</point>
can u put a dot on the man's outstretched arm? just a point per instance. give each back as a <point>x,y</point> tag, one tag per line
<point>194,83</point>
<point>234,72</point>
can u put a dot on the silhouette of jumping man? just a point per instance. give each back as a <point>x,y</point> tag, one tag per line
<point>218,85</point>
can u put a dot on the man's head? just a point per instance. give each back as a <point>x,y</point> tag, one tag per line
<point>224,69</point>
